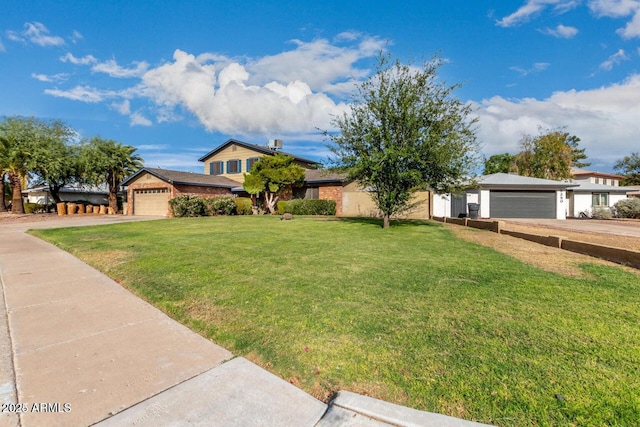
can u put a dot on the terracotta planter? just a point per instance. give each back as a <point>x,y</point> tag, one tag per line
<point>62,208</point>
<point>111,211</point>
<point>89,209</point>
<point>71,208</point>
<point>80,209</point>
<point>96,210</point>
<point>103,209</point>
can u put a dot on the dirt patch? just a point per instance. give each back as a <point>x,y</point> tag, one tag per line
<point>544,257</point>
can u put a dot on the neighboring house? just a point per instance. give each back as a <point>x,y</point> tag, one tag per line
<point>595,190</point>
<point>587,197</point>
<point>96,195</point>
<point>503,195</point>
<point>633,191</point>
<point>582,175</point>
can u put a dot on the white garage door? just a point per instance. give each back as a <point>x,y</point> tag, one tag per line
<point>153,201</point>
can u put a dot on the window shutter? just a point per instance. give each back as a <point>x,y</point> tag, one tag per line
<point>239,165</point>
<point>211,172</point>
<point>248,165</point>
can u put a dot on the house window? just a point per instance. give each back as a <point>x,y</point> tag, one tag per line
<point>312,193</point>
<point>216,168</point>
<point>600,199</point>
<point>234,166</point>
<point>251,161</point>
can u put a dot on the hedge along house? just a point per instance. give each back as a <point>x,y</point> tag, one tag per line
<point>502,195</point>
<point>150,189</point>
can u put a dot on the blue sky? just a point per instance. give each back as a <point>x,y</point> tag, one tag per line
<point>177,78</point>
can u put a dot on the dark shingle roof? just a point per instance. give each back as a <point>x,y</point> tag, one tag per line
<point>259,148</point>
<point>186,178</point>
<point>323,175</point>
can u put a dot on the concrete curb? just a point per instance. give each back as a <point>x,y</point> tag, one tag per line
<point>351,409</point>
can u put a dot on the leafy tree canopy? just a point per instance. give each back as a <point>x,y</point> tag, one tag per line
<point>272,175</point>
<point>549,155</point>
<point>498,163</point>
<point>405,131</point>
<point>629,166</point>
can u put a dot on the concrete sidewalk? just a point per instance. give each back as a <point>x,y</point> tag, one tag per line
<point>77,349</point>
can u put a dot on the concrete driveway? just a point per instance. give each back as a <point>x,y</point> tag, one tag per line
<point>630,228</point>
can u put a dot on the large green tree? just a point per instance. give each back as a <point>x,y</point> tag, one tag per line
<point>629,166</point>
<point>54,159</point>
<point>272,175</point>
<point>498,163</point>
<point>110,162</point>
<point>405,131</point>
<point>549,155</point>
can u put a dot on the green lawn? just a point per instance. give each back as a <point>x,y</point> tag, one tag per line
<point>411,315</point>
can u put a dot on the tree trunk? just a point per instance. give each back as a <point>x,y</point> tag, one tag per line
<point>54,190</point>
<point>272,199</point>
<point>3,207</point>
<point>113,198</point>
<point>17,207</point>
<point>385,221</point>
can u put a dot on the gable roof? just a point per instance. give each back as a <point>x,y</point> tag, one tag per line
<point>507,180</point>
<point>255,147</point>
<point>185,178</point>
<point>583,172</point>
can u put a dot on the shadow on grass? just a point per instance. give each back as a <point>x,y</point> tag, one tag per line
<point>394,223</point>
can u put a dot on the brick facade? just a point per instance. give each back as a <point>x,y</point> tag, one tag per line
<point>332,192</point>
<point>174,191</point>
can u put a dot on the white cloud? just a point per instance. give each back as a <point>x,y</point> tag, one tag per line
<point>138,119</point>
<point>605,119</point>
<point>123,108</point>
<point>278,94</point>
<point>533,7</point>
<point>561,31</point>
<point>619,9</point>
<point>317,63</point>
<point>536,68</point>
<point>85,60</point>
<point>614,59</point>
<point>76,36</point>
<point>112,69</point>
<point>82,93</point>
<point>50,78</point>
<point>38,34</point>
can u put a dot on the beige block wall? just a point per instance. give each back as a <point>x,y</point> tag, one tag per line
<point>356,202</point>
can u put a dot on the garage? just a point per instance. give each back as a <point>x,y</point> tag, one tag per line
<point>151,201</point>
<point>522,204</point>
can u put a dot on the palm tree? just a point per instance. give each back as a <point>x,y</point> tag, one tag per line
<point>16,137</point>
<point>109,161</point>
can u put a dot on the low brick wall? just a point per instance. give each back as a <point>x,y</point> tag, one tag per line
<point>458,221</point>
<point>617,255</point>
<point>553,241</point>
<point>620,256</point>
<point>495,226</point>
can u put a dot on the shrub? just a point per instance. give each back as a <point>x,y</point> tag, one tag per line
<point>628,208</point>
<point>601,212</point>
<point>187,206</point>
<point>309,207</point>
<point>30,208</point>
<point>282,206</point>
<point>243,205</point>
<point>220,205</point>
